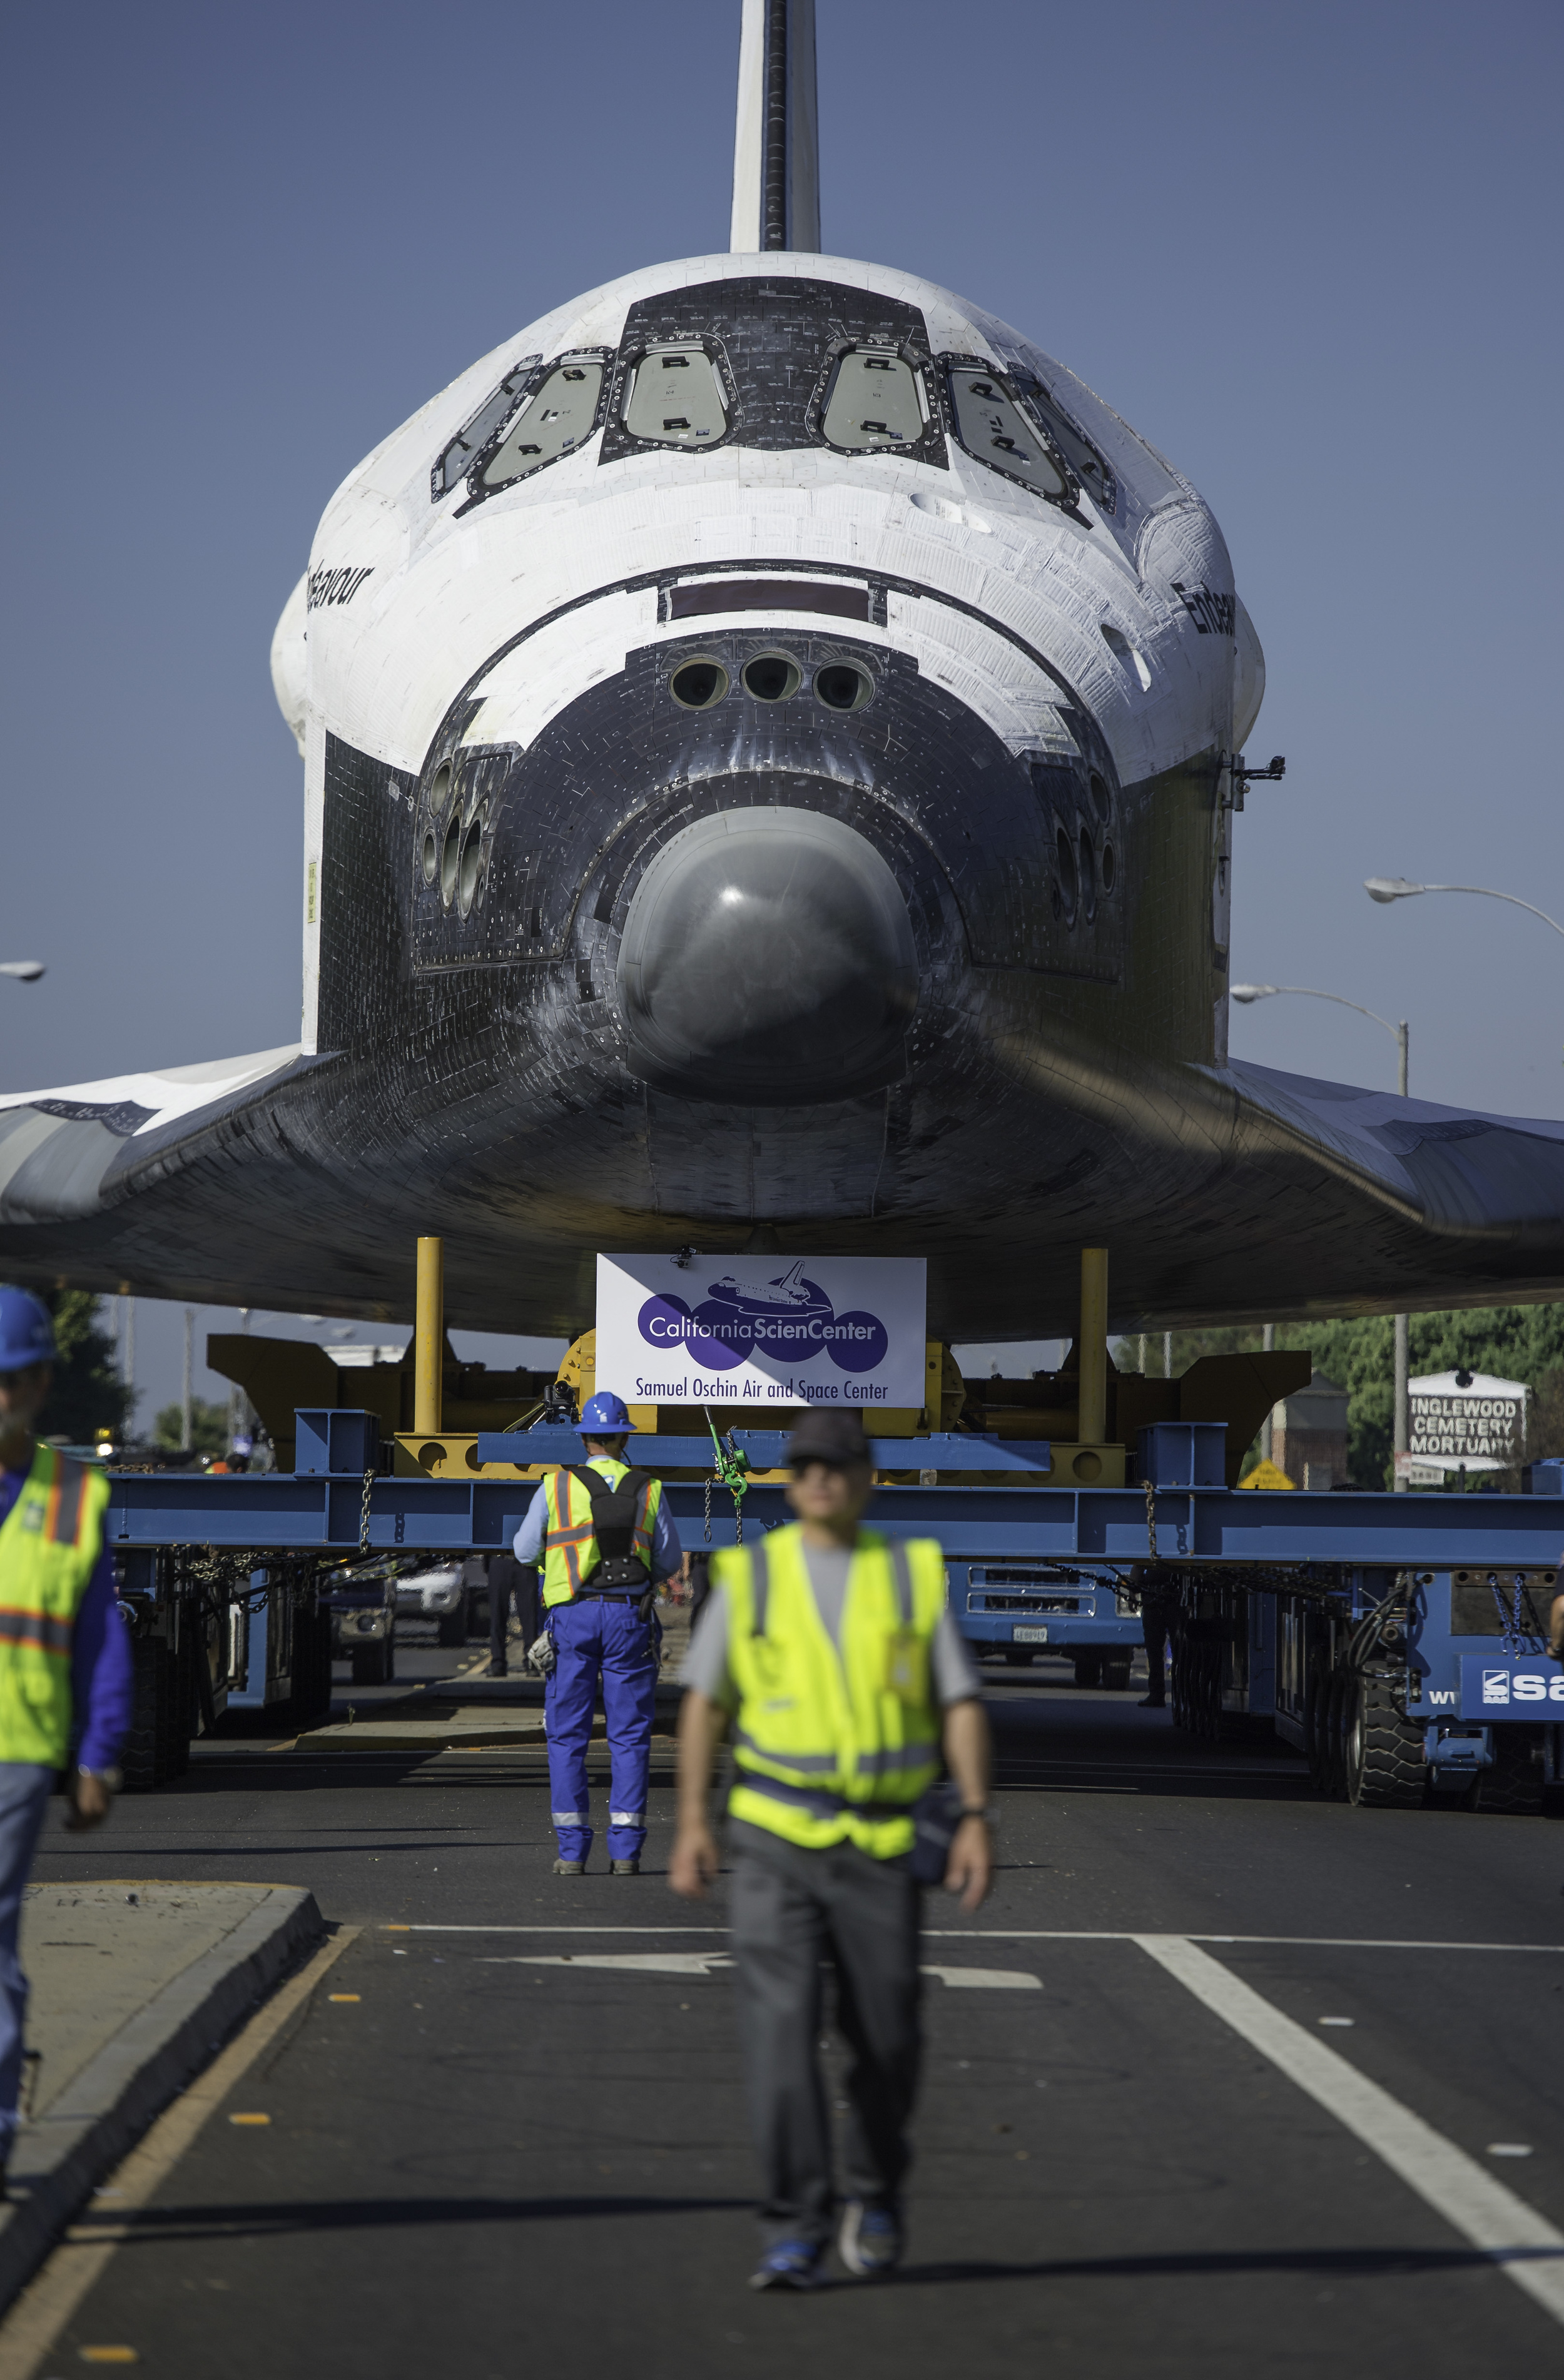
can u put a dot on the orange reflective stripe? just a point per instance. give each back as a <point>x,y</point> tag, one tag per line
<point>19,1627</point>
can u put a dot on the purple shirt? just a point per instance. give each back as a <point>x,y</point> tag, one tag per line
<point>100,1656</point>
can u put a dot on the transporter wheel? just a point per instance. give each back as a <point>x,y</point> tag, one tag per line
<point>1385,1768</point>
<point>1343,1697</point>
<point>1515,1784</point>
<point>143,1759</point>
<point>1317,1688</point>
<point>372,1663</point>
<point>311,1664</point>
<point>452,1626</point>
<point>1017,1657</point>
<point>1088,1668</point>
<point>1116,1673</point>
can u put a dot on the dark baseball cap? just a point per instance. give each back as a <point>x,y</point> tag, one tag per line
<point>835,1438</point>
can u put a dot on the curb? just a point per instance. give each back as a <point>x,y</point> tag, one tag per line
<point>104,2111</point>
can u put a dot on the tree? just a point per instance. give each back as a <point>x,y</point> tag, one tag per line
<point>1513,1343</point>
<point>208,1428</point>
<point>89,1394</point>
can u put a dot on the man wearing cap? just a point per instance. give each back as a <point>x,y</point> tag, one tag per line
<point>65,1657</point>
<point>604,1538</point>
<point>833,1652</point>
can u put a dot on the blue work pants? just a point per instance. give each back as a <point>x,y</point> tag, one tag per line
<point>24,1797</point>
<point>596,1637</point>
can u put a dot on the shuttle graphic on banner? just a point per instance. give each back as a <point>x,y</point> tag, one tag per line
<point>1511,1686</point>
<point>816,1331</point>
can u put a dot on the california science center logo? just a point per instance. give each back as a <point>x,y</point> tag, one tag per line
<point>742,1320</point>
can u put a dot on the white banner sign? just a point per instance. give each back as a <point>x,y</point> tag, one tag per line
<point>809,1330</point>
<point>1465,1421</point>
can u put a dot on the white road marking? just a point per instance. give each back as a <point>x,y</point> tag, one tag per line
<point>1037,1934</point>
<point>1525,2246</point>
<point>987,1979</point>
<point>710,1962</point>
<point>640,1963</point>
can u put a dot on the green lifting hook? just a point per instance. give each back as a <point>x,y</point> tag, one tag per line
<point>730,1470</point>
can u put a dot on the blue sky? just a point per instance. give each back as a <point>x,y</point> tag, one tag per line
<point>1309,250</point>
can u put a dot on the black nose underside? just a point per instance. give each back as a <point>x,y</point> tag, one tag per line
<point>767,958</point>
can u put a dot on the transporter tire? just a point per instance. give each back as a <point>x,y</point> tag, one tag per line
<point>1088,1668</point>
<point>143,1759</point>
<point>1339,1696</point>
<point>1385,1767</point>
<point>1116,1673</point>
<point>450,1628</point>
<point>1514,1786</point>
<point>374,1665</point>
<point>1317,1688</point>
<point>311,1694</point>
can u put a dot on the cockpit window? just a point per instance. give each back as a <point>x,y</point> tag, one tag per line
<point>875,401</point>
<point>457,460</point>
<point>1083,459</point>
<point>555,420</point>
<point>992,427</point>
<point>674,398</point>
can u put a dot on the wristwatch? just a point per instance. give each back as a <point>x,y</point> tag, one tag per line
<point>111,1778</point>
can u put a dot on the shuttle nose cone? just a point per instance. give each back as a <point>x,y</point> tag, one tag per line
<point>767,959</point>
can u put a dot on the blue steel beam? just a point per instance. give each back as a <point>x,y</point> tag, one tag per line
<point>284,1512</point>
<point>767,1450</point>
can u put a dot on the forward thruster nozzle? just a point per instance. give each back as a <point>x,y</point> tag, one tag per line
<point>767,959</point>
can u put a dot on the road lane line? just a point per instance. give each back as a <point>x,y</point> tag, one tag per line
<point>36,2320</point>
<point>1039,1933</point>
<point>1519,2240</point>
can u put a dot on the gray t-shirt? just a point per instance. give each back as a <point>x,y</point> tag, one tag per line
<point>706,1664</point>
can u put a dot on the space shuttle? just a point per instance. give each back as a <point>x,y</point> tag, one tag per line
<point>772,738</point>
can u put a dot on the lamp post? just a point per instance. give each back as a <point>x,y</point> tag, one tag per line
<point>1398,888</point>
<point>1246,992</point>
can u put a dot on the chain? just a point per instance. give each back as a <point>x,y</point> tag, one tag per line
<point>714,1476</point>
<point>729,1467</point>
<point>1151,1517</point>
<point>364,1512</point>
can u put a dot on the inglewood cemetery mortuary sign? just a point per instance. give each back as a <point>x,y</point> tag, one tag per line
<point>1463,1421</point>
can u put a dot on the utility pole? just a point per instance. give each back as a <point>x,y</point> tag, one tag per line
<point>188,1416</point>
<point>127,1358</point>
<point>1268,1340</point>
<point>1402,1411</point>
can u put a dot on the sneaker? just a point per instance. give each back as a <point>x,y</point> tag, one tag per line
<point>625,1867</point>
<point>570,1868</point>
<point>870,2241</point>
<point>495,1669</point>
<point>790,2264</point>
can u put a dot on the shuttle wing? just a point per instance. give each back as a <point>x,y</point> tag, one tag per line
<point>293,1182</point>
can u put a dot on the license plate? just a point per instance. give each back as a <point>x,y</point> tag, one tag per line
<point>1029,1636</point>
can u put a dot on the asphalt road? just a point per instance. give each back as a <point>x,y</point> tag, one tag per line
<point>484,2164</point>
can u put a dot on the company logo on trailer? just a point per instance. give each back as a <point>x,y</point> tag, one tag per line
<point>744,1316</point>
<point>1495,1685</point>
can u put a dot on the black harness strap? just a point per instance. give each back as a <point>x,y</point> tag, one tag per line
<point>616,1511</point>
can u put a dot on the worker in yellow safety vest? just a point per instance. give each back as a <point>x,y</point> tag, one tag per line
<point>65,1654</point>
<point>831,1653</point>
<point>604,1536</point>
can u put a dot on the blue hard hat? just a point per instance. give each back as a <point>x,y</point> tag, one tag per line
<point>605,1411</point>
<point>27,1333</point>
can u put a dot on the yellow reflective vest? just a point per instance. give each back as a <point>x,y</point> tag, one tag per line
<point>833,1746</point>
<point>49,1547</point>
<point>570,1549</point>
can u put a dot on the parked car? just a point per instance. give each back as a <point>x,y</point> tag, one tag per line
<point>438,1593</point>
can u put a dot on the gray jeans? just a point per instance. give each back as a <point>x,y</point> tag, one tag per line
<point>795,1911</point>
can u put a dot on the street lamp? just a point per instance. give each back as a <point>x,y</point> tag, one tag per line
<point>1248,991</point>
<point>1245,992</point>
<point>1398,888</point>
<point>24,970</point>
